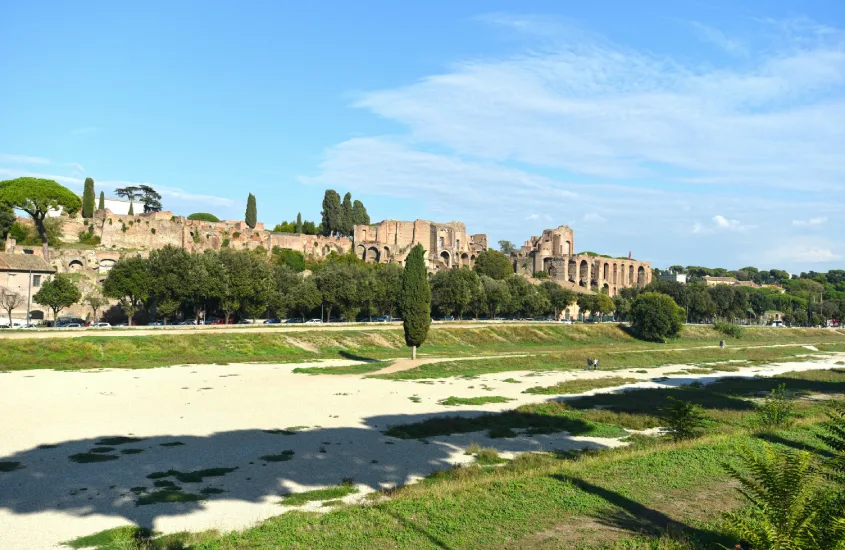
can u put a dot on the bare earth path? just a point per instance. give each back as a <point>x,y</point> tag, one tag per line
<point>240,417</point>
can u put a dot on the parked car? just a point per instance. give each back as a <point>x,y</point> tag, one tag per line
<point>101,325</point>
<point>244,322</point>
<point>186,322</point>
<point>274,321</point>
<point>72,325</point>
<point>314,322</point>
<point>294,321</point>
<point>566,321</point>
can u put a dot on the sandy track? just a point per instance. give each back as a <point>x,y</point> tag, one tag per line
<point>220,414</point>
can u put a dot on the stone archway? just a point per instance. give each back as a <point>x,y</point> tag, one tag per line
<point>641,277</point>
<point>572,268</point>
<point>552,272</point>
<point>372,254</point>
<point>584,273</point>
<point>386,255</point>
<point>605,272</point>
<point>631,275</point>
<point>75,266</point>
<point>446,258</point>
<point>362,251</point>
<point>464,259</point>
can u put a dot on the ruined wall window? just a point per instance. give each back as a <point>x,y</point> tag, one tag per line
<point>36,280</point>
<point>441,242</point>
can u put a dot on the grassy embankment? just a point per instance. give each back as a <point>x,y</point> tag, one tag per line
<point>653,494</point>
<point>569,344</point>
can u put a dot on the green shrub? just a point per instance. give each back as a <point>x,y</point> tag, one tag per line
<point>682,419</point>
<point>204,217</point>
<point>656,316</point>
<point>776,411</point>
<point>729,329</point>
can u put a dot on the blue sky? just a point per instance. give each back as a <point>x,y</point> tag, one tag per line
<point>691,132</point>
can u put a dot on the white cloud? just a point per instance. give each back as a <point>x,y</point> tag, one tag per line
<point>533,217</point>
<point>812,221</point>
<point>720,39</point>
<point>816,255</point>
<point>593,217</point>
<point>596,108</point>
<point>23,159</point>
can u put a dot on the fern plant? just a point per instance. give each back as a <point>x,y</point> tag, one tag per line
<point>787,505</point>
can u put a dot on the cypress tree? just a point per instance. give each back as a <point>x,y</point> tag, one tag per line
<point>415,300</point>
<point>131,208</point>
<point>88,199</point>
<point>299,223</point>
<point>359,214</point>
<point>332,213</point>
<point>347,214</point>
<point>251,211</point>
<point>102,205</point>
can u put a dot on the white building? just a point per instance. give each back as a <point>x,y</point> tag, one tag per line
<point>677,277</point>
<point>117,206</point>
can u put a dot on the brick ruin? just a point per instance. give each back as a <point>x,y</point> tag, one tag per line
<point>553,253</point>
<point>447,244</point>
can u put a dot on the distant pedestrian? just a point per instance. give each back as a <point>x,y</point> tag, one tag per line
<point>589,362</point>
<point>722,344</point>
<point>595,364</point>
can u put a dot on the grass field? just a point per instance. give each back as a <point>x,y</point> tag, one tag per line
<point>652,494</point>
<point>571,343</point>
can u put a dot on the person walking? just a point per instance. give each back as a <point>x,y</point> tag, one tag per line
<point>595,364</point>
<point>721,344</point>
<point>589,362</point>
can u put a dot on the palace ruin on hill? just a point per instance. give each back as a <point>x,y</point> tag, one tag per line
<point>447,246</point>
<point>553,253</point>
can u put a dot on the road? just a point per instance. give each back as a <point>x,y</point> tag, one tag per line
<point>250,329</point>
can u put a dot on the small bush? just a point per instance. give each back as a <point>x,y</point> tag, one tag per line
<point>776,411</point>
<point>204,217</point>
<point>153,230</point>
<point>656,316</point>
<point>734,331</point>
<point>236,234</point>
<point>682,419</point>
<point>225,243</point>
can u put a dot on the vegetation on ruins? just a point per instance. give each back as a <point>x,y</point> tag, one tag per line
<point>251,215</point>
<point>58,293</point>
<point>359,214</point>
<point>144,193</point>
<point>298,226</point>
<point>88,198</point>
<point>507,248</point>
<point>494,264</point>
<point>332,213</point>
<point>102,204</point>
<point>415,300</point>
<point>37,197</point>
<point>340,218</point>
<point>204,217</point>
<point>346,217</point>
<point>656,316</point>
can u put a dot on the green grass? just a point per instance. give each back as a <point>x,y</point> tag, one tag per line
<point>580,386</point>
<point>167,496</point>
<point>485,456</point>
<point>291,346</point>
<point>88,458</point>
<point>360,368</point>
<point>330,493</point>
<point>483,400</point>
<point>540,418</point>
<point>284,456</point>
<point>9,466</point>
<point>119,538</point>
<point>511,381</point>
<point>192,477</point>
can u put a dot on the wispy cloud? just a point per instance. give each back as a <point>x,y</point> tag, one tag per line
<point>717,37</point>
<point>22,159</point>
<point>821,220</point>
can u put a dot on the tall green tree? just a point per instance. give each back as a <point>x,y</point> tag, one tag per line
<point>305,297</point>
<point>131,208</point>
<point>130,282</point>
<point>388,287</point>
<point>249,283</point>
<point>298,227</point>
<point>151,199</point>
<point>58,293</point>
<point>415,300</point>
<point>37,197</point>
<point>560,298</point>
<point>251,217</point>
<point>88,198</point>
<point>494,264</point>
<point>170,287</point>
<point>332,213</point>
<point>507,247</point>
<point>96,301</point>
<point>656,316</point>
<point>359,214</point>
<point>346,209</point>
<point>497,295</point>
<point>7,218</point>
<point>102,205</point>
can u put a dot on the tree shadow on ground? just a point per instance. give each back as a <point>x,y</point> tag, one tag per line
<point>797,445</point>
<point>111,476</point>
<point>632,516</point>
<point>355,357</point>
